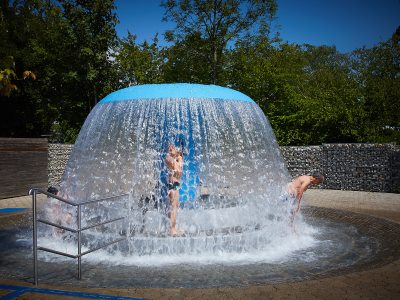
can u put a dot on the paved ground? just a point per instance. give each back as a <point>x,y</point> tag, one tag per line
<point>378,283</point>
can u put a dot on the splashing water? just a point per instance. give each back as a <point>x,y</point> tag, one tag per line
<point>230,203</point>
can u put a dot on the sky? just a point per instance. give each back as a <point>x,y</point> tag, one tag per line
<point>348,25</point>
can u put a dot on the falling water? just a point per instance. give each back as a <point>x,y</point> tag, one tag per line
<point>230,200</point>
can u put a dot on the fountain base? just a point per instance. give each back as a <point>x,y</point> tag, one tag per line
<point>347,242</point>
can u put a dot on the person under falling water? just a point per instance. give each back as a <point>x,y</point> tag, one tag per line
<point>174,162</point>
<point>57,212</point>
<point>296,189</point>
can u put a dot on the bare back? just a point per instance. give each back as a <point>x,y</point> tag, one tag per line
<point>299,185</point>
<point>174,162</point>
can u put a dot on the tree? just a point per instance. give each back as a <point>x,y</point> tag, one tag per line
<point>20,114</point>
<point>139,64</point>
<point>333,100</point>
<point>90,37</point>
<point>378,71</point>
<point>8,78</point>
<point>186,61</point>
<point>67,44</point>
<point>272,73</point>
<point>215,23</point>
<point>308,93</point>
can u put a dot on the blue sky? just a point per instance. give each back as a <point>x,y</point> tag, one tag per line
<point>347,24</point>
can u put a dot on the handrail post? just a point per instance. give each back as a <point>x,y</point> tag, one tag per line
<point>35,220</point>
<point>128,230</point>
<point>34,238</point>
<point>79,242</point>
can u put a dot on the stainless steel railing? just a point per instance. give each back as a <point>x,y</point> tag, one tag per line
<point>34,192</point>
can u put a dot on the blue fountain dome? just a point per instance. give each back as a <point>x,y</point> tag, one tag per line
<point>175,90</point>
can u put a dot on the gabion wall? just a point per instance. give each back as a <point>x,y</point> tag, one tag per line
<point>395,170</point>
<point>356,167</point>
<point>303,160</point>
<point>362,167</point>
<point>58,156</point>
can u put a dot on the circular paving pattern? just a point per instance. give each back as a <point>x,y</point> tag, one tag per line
<point>348,242</point>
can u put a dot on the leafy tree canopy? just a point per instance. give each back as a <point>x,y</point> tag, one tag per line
<point>66,44</point>
<point>214,23</point>
<point>311,94</point>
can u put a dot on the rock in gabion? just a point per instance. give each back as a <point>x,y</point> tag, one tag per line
<point>58,156</point>
<point>303,160</point>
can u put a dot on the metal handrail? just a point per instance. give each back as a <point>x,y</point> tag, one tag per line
<point>57,225</point>
<point>34,192</point>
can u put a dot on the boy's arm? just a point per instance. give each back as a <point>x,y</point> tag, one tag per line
<point>300,193</point>
<point>169,161</point>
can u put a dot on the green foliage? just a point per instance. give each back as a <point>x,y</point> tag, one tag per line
<point>66,44</point>
<point>307,92</point>
<point>207,26</point>
<point>311,95</point>
<point>186,61</point>
<point>139,64</point>
<point>7,76</point>
<point>378,71</point>
<point>333,100</point>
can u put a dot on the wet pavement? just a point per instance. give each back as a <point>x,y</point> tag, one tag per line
<point>372,277</point>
